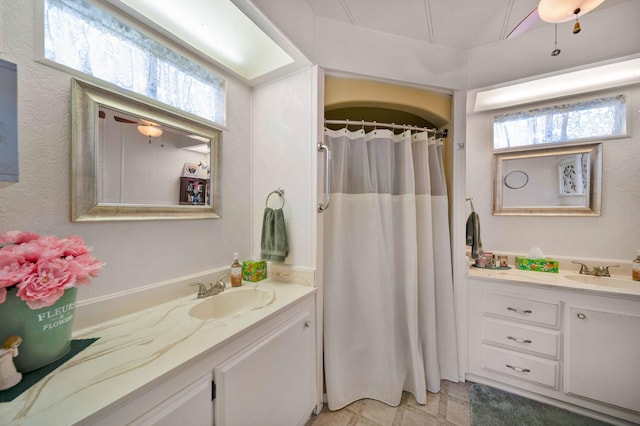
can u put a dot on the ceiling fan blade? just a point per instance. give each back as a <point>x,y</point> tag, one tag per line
<point>526,24</point>
<point>124,120</point>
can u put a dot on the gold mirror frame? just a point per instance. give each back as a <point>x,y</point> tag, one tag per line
<point>86,99</point>
<point>595,182</point>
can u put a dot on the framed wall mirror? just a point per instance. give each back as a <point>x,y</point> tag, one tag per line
<point>560,181</point>
<point>134,160</point>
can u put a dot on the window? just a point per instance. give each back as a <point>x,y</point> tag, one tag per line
<point>85,38</point>
<point>602,118</point>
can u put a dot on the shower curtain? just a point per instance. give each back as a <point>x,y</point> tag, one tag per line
<point>388,302</point>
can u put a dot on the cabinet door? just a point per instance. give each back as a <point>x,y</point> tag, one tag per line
<point>603,355</point>
<point>271,382</point>
<point>188,407</point>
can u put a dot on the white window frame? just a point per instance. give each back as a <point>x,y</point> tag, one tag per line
<point>626,133</point>
<point>39,50</point>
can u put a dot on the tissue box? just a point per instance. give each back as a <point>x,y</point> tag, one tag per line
<point>540,265</point>
<point>254,270</point>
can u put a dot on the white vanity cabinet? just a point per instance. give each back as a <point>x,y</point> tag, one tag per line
<point>603,355</point>
<point>573,348</point>
<point>264,375</point>
<point>517,336</point>
<point>272,382</point>
<point>188,407</point>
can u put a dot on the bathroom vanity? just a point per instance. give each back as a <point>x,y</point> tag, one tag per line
<point>565,339</point>
<point>164,366</point>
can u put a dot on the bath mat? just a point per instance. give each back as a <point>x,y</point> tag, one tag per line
<point>32,377</point>
<point>494,407</point>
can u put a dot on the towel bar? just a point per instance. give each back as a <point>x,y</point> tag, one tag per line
<point>278,191</point>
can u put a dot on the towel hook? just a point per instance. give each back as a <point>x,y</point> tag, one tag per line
<point>470,200</point>
<point>279,192</point>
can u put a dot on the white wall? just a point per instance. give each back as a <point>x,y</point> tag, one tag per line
<point>136,253</point>
<point>613,235</point>
<point>283,156</point>
<point>343,47</point>
<point>336,46</point>
<point>611,33</point>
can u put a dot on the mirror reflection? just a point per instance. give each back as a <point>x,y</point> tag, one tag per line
<point>144,162</point>
<point>555,181</point>
<point>135,160</point>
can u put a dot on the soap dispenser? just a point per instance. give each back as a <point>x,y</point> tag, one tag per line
<point>236,272</point>
<point>635,268</point>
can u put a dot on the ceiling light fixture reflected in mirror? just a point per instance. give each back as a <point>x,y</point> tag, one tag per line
<point>150,131</point>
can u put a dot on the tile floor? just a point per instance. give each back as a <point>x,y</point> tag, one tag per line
<point>449,407</point>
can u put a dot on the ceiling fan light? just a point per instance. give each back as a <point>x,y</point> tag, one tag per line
<point>556,11</point>
<point>150,131</point>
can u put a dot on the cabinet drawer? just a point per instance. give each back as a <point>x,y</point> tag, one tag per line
<point>521,366</point>
<point>521,337</point>
<point>523,309</point>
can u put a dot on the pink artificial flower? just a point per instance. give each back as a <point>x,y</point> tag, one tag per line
<point>46,284</point>
<point>84,266</point>
<point>13,266</point>
<point>73,246</point>
<point>17,237</point>
<point>43,267</point>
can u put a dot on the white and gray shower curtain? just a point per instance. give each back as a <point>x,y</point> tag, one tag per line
<point>388,304</point>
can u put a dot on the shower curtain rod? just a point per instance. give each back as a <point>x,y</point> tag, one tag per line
<point>443,132</point>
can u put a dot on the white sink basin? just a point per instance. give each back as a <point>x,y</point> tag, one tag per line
<point>232,302</point>
<point>606,281</point>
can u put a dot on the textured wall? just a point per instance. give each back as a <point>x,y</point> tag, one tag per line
<point>283,156</point>
<point>614,235</point>
<point>136,253</point>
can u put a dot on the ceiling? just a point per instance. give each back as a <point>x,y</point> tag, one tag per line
<point>460,24</point>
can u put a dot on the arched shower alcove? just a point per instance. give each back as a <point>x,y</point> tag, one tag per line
<point>357,100</point>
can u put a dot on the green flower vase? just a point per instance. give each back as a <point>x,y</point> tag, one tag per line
<point>45,332</point>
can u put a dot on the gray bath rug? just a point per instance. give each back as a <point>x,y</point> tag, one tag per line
<point>494,407</point>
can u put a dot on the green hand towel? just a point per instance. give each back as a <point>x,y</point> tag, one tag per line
<point>274,236</point>
<point>473,235</point>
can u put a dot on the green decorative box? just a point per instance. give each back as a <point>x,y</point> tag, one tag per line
<point>254,270</point>
<point>539,265</point>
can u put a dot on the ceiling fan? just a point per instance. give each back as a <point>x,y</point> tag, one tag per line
<point>145,127</point>
<point>555,12</point>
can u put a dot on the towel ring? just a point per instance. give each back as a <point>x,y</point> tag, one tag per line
<point>279,192</point>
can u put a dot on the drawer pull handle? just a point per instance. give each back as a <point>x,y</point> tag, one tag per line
<point>519,339</point>
<point>581,315</point>
<point>518,369</point>
<point>307,324</point>
<point>519,311</point>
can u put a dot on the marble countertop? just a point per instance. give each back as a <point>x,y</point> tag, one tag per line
<point>565,280</point>
<point>131,352</point>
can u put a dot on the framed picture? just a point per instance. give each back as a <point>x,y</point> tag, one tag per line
<point>571,176</point>
<point>191,170</point>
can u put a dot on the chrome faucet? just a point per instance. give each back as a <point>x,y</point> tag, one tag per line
<point>598,271</point>
<point>214,289</point>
